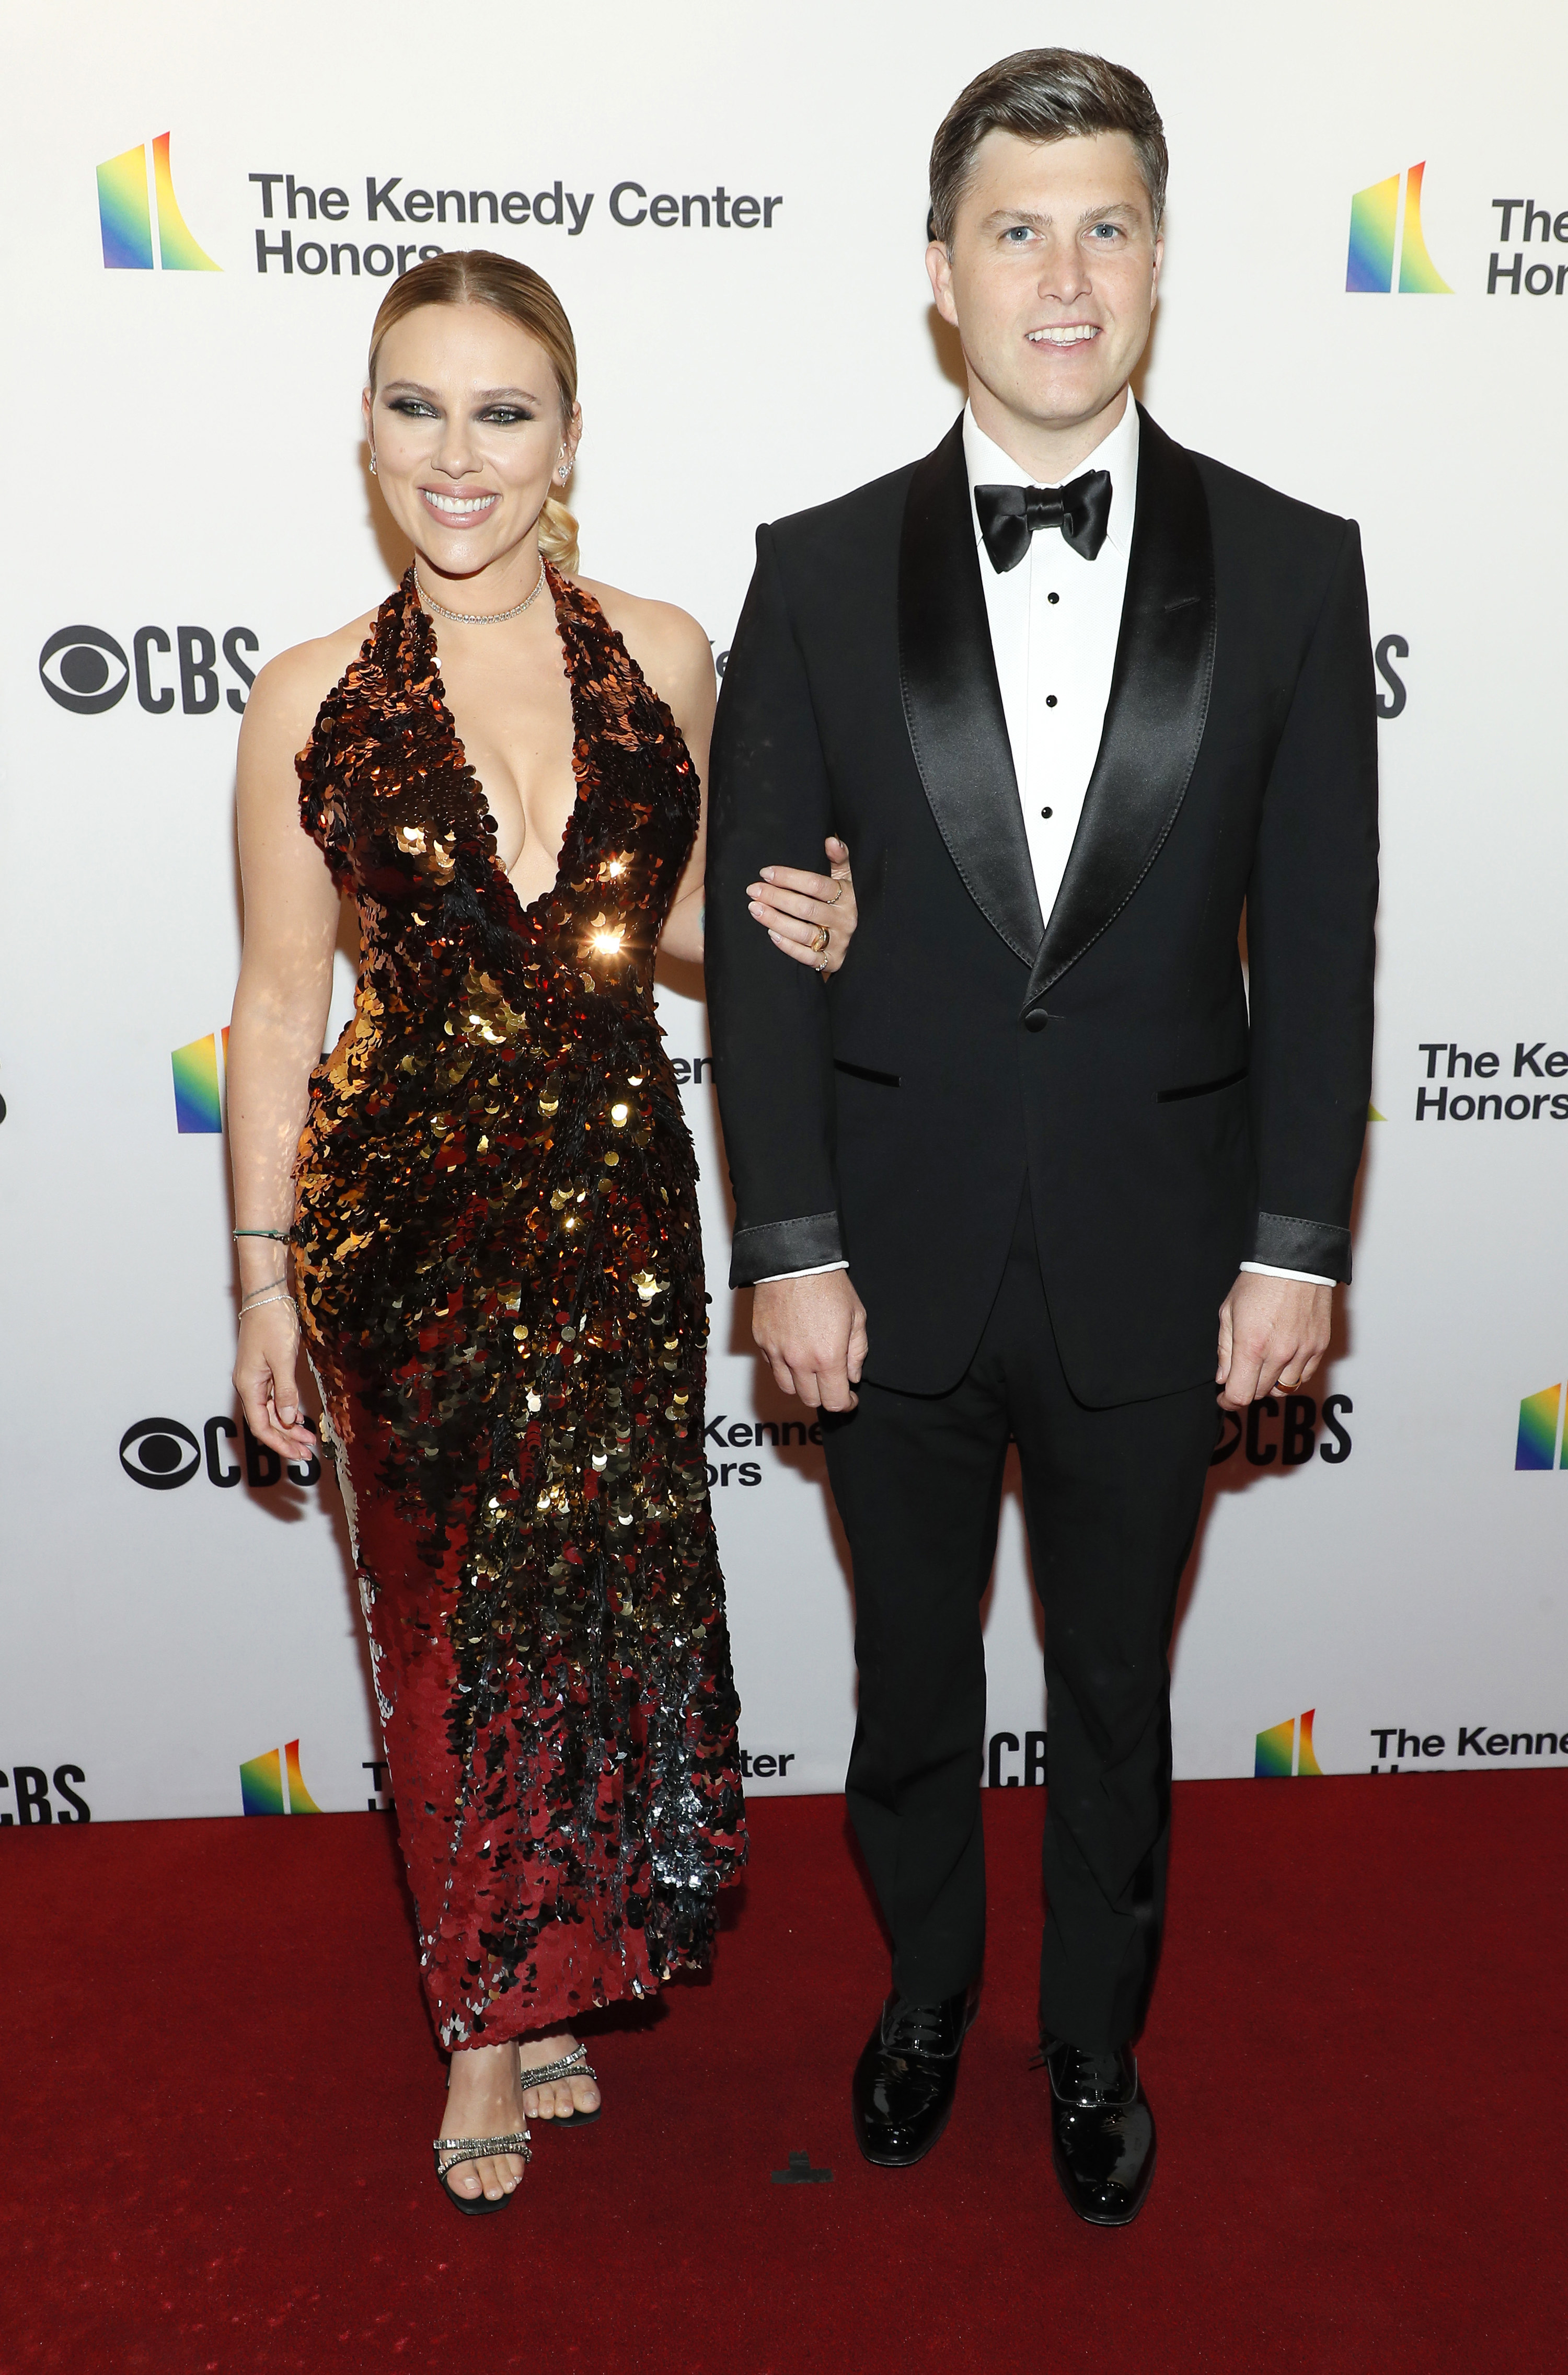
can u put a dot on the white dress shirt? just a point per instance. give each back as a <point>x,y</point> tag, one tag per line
<point>1055,622</point>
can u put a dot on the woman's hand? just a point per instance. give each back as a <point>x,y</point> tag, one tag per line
<point>264,1378</point>
<point>796,909</point>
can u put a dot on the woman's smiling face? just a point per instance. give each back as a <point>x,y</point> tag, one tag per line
<point>467,426</point>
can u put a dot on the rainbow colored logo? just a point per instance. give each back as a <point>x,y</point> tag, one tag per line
<point>260,1784</point>
<point>1540,1430</point>
<point>1387,247</point>
<point>1285,1750</point>
<point>128,193</point>
<point>198,1098</point>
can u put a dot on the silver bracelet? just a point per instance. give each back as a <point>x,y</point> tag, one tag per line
<point>260,1302</point>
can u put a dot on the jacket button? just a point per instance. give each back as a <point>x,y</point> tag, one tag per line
<point>1037,1021</point>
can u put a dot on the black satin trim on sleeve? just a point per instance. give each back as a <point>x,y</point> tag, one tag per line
<point>1286,1243</point>
<point>774,1247</point>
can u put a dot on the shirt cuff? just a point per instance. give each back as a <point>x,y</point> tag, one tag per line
<point>818,1270</point>
<point>1268,1270</point>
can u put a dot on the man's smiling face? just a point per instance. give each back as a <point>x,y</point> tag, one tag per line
<point>1050,283</point>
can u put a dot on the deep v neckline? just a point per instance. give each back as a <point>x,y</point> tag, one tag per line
<point>485,814</point>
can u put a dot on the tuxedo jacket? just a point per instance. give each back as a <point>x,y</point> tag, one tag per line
<point>1105,1053</point>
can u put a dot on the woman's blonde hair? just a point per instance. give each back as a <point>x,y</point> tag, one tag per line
<point>475,276</point>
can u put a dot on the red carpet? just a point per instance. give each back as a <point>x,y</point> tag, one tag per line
<point>219,2091</point>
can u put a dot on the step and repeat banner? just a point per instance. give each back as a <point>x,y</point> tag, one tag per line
<point>1365,302</point>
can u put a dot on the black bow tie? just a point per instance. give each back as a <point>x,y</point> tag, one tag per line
<point>1010,515</point>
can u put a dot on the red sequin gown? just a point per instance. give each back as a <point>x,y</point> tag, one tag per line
<point>500,1278</point>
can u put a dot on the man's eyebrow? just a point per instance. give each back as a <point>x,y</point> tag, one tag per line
<point>1005,216</point>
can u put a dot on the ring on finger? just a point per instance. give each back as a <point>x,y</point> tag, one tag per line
<point>819,939</point>
<point>838,894</point>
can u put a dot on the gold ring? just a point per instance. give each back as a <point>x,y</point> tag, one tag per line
<point>819,940</point>
<point>838,894</point>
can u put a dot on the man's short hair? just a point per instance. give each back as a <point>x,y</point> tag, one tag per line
<point>1044,95</point>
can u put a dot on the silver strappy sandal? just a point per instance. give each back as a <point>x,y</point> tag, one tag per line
<point>451,2152</point>
<point>574,2064</point>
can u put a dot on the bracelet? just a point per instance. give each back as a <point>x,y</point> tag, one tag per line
<point>265,1288</point>
<point>260,1302</point>
<point>280,1234</point>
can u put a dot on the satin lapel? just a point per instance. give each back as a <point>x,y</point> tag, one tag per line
<point>1157,711</point>
<point>952,703</point>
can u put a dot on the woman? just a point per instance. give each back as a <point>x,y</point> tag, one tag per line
<point>489,1194</point>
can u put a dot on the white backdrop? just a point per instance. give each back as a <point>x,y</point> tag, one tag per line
<point>184,460</point>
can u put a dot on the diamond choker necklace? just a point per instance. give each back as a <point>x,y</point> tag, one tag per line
<point>479,618</point>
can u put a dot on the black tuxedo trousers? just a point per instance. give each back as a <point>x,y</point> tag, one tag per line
<point>1111,1502</point>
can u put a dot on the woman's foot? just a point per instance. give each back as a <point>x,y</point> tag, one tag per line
<point>483,2098</point>
<point>562,2097</point>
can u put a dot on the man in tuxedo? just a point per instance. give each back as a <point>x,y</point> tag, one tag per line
<point>1074,696</point>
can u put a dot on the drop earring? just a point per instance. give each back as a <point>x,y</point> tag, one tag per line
<point>372,464</point>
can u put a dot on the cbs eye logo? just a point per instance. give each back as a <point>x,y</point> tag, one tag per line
<point>89,670</point>
<point>86,671</point>
<point>159,1453</point>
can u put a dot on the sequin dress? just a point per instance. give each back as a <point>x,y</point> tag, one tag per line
<point>500,1278</point>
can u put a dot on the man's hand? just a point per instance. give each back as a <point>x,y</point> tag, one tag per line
<point>1273,1331</point>
<point>813,1332</point>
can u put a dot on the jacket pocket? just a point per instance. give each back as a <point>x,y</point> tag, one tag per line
<point>1198,1089</point>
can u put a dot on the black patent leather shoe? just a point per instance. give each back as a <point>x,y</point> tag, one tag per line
<point>905,2080</point>
<point>1101,2131</point>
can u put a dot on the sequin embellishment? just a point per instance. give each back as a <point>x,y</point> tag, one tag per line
<point>500,1277</point>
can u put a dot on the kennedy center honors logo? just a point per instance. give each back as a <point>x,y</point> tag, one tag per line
<point>198,1099</point>
<point>1540,1430</point>
<point>1285,1750</point>
<point>132,192</point>
<point>262,1784</point>
<point>1387,250</point>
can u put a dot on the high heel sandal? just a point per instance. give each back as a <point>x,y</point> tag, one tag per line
<point>574,2064</point>
<point>458,2150</point>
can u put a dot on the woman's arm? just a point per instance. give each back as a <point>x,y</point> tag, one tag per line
<point>685,682</point>
<point>275,1040</point>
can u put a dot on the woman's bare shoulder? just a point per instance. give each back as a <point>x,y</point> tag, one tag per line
<point>666,642</point>
<point>290,689</point>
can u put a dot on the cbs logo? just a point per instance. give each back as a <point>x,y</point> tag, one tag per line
<point>163,1453</point>
<point>86,671</point>
<point>1298,1438</point>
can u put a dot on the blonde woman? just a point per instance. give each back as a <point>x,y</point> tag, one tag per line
<point>487,1191</point>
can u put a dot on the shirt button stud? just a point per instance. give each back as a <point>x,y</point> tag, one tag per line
<point>1050,701</point>
<point>1053,598</point>
<point>1045,812</point>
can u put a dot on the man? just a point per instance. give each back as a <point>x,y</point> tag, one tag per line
<point>1073,696</point>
